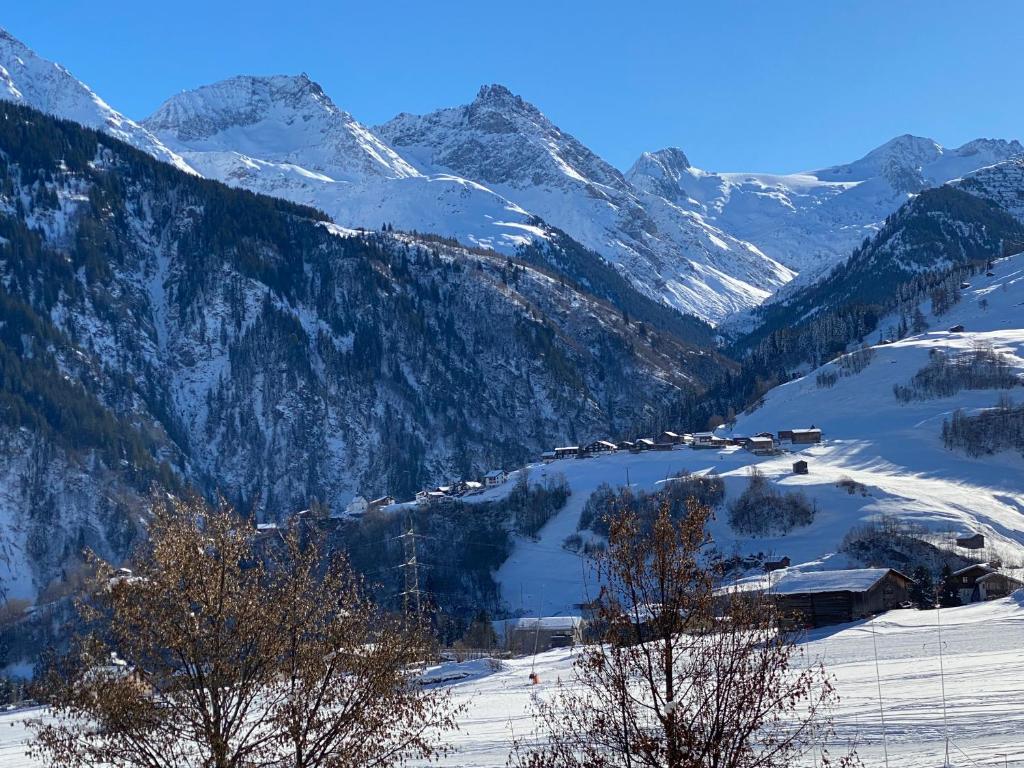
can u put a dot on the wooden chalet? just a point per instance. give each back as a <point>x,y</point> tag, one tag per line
<point>670,437</point>
<point>495,477</point>
<point>806,436</point>
<point>383,501</point>
<point>645,444</point>
<point>822,598</point>
<point>470,488</point>
<point>800,467</point>
<point>975,541</point>
<point>602,446</point>
<point>567,451</point>
<point>983,581</point>
<point>708,440</point>
<point>542,634</point>
<point>761,446</point>
<point>625,445</point>
<point>786,434</point>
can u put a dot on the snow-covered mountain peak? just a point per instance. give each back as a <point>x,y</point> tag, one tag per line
<point>29,79</point>
<point>996,148</point>
<point>240,101</point>
<point>500,139</point>
<point>660,172</point>
<point>277,118</point>
<point>505,142</point>
<point>500,96</point>
<point>892,160</point>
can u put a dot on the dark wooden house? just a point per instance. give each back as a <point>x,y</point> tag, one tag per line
<point>542,634</point>
<point>806,436</point>
<point>982,581</point>
<point>383,501</point>
<point>800,467</point>
<point>975,541</point>
<point>834,597</point>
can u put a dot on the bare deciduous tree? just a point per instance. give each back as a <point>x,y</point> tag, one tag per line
<point>221,654</point>
<point>688,676</point>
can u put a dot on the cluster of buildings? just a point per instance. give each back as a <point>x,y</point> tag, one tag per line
<point>761,444</point>
<point>442,494</point>
<point>802,598</point>
<point>360,506</point>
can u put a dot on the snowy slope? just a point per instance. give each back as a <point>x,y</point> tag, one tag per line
<point>1001,183</point>
<point>980,680</point>
<point>895,450</point>
<point>667,250</point>
<point>810,220</point>
<point>283,136</point>
<point>28,79</point>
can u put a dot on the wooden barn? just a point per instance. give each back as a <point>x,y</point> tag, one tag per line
<point>806,436</point>
<point>983,581</point>
<point>975,541</point>
<point>567,451</point>
<point>821,598</point>
<point>761,446</point>
<point>545,633</point>
<point>708,440</point>
<point>380,503</point>
<point>800,467</point>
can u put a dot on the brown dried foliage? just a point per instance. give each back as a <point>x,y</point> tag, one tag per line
<point>236,656</point>
<point>687,676</point>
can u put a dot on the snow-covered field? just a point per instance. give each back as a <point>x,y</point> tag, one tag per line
<point>982,671</point>
<point>894,450</point>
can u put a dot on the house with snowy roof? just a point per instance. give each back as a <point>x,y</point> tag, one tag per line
<point>821,598</point>
<point>708,440</point>
<point>806,436</point>
<point>545,632</point>
<point>495,477</point>
<point>983,581</point>
<point>761,446</point>
<point>380,503</point>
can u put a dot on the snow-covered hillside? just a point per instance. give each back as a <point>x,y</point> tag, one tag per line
<point>979,682</point>
<point>893,449</point>
<point>31,80</point>
<point>669,251</point>
<point>184,331</point>
<point>810,220</point>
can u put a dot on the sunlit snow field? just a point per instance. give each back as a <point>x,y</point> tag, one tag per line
<point>984,680</point>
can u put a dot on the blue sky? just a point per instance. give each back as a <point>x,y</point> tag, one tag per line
<point>766,86</point>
